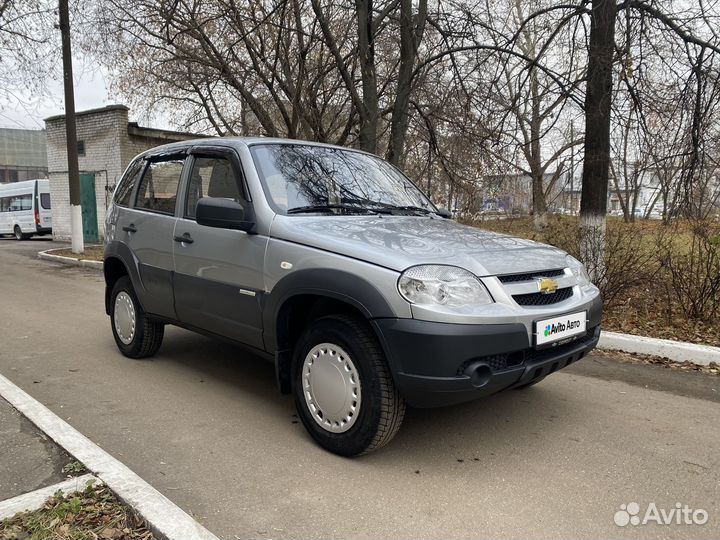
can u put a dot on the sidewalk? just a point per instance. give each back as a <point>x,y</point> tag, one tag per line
<point>35,446</point>
<point>28,459</point>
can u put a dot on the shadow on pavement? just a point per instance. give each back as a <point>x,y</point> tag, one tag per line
<point>467,432</point>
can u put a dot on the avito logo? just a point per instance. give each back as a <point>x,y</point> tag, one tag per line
<point>551,329</point>
<point>630,514</point>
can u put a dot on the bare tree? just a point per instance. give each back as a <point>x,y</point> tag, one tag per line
<point>537,111</point>
<point>28,45</point>
<point>430,81</point>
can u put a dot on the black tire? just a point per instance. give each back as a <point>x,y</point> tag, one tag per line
<point>148,333</point>
<point>382,409</point>
<point>17,232</point>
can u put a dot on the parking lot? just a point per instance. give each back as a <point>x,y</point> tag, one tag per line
<point>204,424</point>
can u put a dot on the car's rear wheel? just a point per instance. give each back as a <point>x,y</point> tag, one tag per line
<point>343,389</point>
<point>17,232</point>
<point>135,334</point>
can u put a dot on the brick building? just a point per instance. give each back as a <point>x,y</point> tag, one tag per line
<point>106,144</point>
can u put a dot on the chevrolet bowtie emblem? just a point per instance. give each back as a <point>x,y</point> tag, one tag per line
<point>547,285</point>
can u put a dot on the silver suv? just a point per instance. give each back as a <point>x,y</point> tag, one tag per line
<point>336,267</point>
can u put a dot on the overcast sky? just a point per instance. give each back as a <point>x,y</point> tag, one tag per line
<point>91,91</point>
<point>26,111</point>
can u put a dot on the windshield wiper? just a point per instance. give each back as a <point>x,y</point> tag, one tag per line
<point>412,208</point>
<point>330,207</point>
<point>389,208</point>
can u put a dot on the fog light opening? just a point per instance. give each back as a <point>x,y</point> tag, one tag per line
<point>479,374</point>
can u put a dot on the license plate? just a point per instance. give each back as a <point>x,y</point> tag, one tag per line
<point>562,327</point>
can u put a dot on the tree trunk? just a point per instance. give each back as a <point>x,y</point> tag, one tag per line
<point>540,217</point>
<point>593,205</point>
<point>411,32</point>
<point>366,51</point>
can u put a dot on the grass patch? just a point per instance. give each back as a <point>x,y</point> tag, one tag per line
<point>92,253</point>
<point>74,468</point>
<point>94,513</point>
<point>646,304</point>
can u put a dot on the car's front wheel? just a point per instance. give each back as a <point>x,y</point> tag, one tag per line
<point>135,334</point>
<point>343,389</point>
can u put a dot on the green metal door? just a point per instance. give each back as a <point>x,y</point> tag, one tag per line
<point>88,204</point>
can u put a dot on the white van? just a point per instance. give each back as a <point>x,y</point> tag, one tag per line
<point>25,209</point>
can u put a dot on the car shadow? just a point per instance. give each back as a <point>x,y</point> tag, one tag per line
<point>469,432</point>
<point>10,238</point>
<point>224,363</point>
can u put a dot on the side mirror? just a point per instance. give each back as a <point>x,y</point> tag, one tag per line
<point>222,214</point>
<point>443,212</point>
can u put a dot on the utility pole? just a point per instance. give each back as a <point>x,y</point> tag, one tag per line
<point>76,228</point>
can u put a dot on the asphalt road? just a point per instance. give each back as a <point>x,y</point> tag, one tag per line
<point>28,459</point>
<point>203,423</point>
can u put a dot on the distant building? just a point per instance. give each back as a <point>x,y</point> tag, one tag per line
<point>106,144</point>
<point>23,155</point>
<point>513,193</point>
<point>648,195</point>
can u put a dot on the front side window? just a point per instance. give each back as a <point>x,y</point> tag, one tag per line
<point>297,177</point>
<point>158,188</point>
<point>127,183</point>
<point>45,201</point>
<point>211,177</point>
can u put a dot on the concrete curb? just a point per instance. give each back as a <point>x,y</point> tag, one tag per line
<point>164,518</point>
<point>678,351</point>
<point>71,261</point>
<point>27,502</point>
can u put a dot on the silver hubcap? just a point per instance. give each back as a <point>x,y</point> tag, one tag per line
<point>124,317</point>
<point>331,386</point>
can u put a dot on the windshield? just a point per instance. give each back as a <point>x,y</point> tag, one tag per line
<point>299,177</point>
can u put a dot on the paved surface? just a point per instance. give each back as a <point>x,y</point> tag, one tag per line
<point>204,425</point>
<point>28,460</point>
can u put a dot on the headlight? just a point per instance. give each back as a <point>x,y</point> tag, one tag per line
<point>438,285</point>
<point>577,268</point>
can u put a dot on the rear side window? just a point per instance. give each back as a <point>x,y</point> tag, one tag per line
<point>127,184</point>
<point>45,201</point>
<point>159,185</point>
<point>211,177</point>
<point>19,202</point>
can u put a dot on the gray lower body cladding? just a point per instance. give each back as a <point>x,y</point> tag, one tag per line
<point>438,364</point>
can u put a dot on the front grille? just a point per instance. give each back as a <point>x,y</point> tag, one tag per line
<point>541,299</point>
<point>514,278</point>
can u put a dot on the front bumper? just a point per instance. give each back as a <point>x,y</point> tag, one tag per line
<point>436,364</point>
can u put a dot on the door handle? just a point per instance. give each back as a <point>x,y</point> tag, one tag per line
<point>130,228</point>
<point>185,238</point>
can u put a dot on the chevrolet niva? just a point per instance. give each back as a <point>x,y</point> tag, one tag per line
<point>333,265</point>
